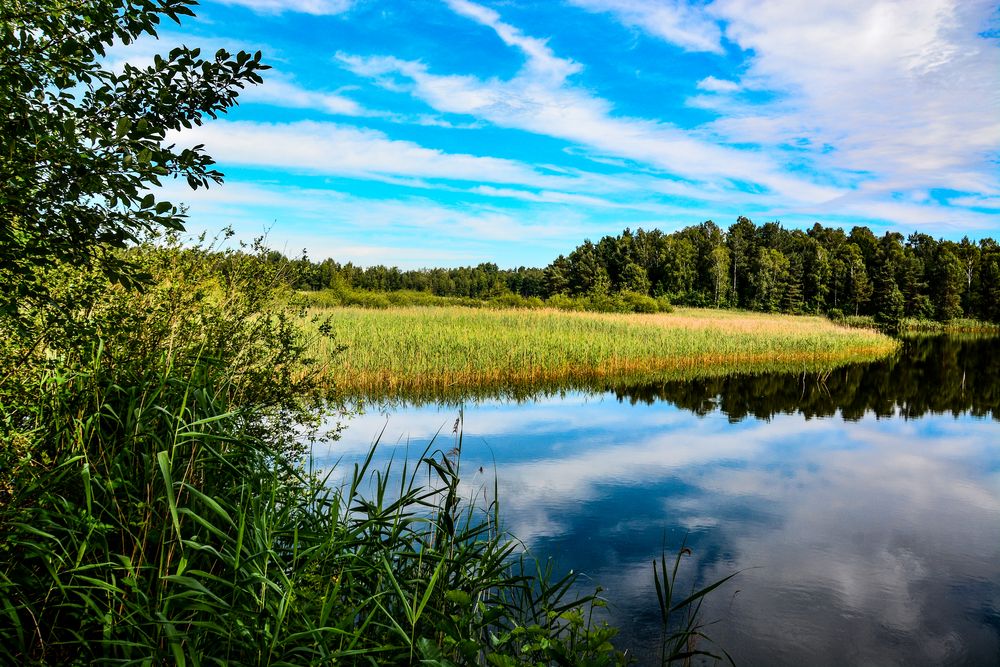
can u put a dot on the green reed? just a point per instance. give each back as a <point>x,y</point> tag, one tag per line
<point>437,350</point>
<point>164,530</point>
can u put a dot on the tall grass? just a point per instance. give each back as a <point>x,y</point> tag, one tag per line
<point>165,531</point>
<point>420,350</point>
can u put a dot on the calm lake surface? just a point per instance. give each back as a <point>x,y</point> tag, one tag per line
<point>862,507</point>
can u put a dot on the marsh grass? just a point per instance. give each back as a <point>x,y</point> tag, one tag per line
<point>912,325</point>
<point>166,531</point>
<point>437,351</point>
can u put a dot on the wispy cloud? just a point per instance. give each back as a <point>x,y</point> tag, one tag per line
<point>675,21</point>
<point>333,149</point>
<point>410,232</point>
<point>992,203</point>
<point>714,85</point>
<point>284,92</point>
<point>542,62</point>
<point>330,148</point>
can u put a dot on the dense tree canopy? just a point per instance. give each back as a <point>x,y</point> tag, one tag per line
<point>767,267</point>
<point>81,145</point>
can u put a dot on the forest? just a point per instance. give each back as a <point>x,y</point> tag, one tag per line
<point>764,268</point>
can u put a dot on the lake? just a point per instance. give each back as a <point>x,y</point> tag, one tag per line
<point>861,507</point>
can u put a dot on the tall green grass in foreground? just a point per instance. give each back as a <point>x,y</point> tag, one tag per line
<point>156,505</point>
<point>426,350</point>
<point>166,531</point>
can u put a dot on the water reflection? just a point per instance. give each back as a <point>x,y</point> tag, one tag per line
<point>862,540</point>
<point>930,374</point>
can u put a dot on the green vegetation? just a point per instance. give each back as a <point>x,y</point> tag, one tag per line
<point>156,507</point>
<point>762,268</point>
<point>158,504</point>
<point>434,352</point>
<point>622,302</point>
<point>912,325</point>
<point>83,145</point>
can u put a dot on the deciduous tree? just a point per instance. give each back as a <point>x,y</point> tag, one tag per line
<point>83,146</point>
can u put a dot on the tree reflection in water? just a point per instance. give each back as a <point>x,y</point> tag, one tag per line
<point>937,374</point>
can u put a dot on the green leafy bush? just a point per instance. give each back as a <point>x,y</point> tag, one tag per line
<point>516,301</point>
<point>635,302</point>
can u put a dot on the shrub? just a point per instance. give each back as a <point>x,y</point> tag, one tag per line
<point>516,301</point>
<point>635,302</point>
<point>664,305</point>
<point>564,302</point>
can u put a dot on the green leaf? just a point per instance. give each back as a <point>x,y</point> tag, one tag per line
<point>164,463</point>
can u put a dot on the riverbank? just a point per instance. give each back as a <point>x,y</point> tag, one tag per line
<point>396,351</point>
<point>912,325</point>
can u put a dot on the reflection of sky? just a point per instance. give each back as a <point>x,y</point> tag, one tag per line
<point>873,542</point>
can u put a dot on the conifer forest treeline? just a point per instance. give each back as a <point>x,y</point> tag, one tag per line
<point>765,268</point>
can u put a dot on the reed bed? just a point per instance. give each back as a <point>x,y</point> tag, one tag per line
<point>166,532</point>
<point>401,350</point>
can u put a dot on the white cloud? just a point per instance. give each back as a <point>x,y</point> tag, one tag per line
<point>281,91</point>
<point>315,7</point>
<point>548,196</point>
<point>903,91</point>
<point>675,21</point>
<point>898,96</point>
<point>714,85</point>
<point>410,232</point>
<point>977,202</point>
<point>541,61</point>
<point>330,148</point>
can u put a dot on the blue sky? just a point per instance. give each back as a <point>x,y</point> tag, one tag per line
<point>448,132</point>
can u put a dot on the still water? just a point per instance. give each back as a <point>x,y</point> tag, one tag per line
<point>861,507</point>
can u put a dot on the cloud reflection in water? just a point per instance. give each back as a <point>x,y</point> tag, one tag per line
<point>874,541</point>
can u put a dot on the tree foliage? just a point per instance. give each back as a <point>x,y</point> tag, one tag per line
<point>769,268</point>
<point>82,145</point>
